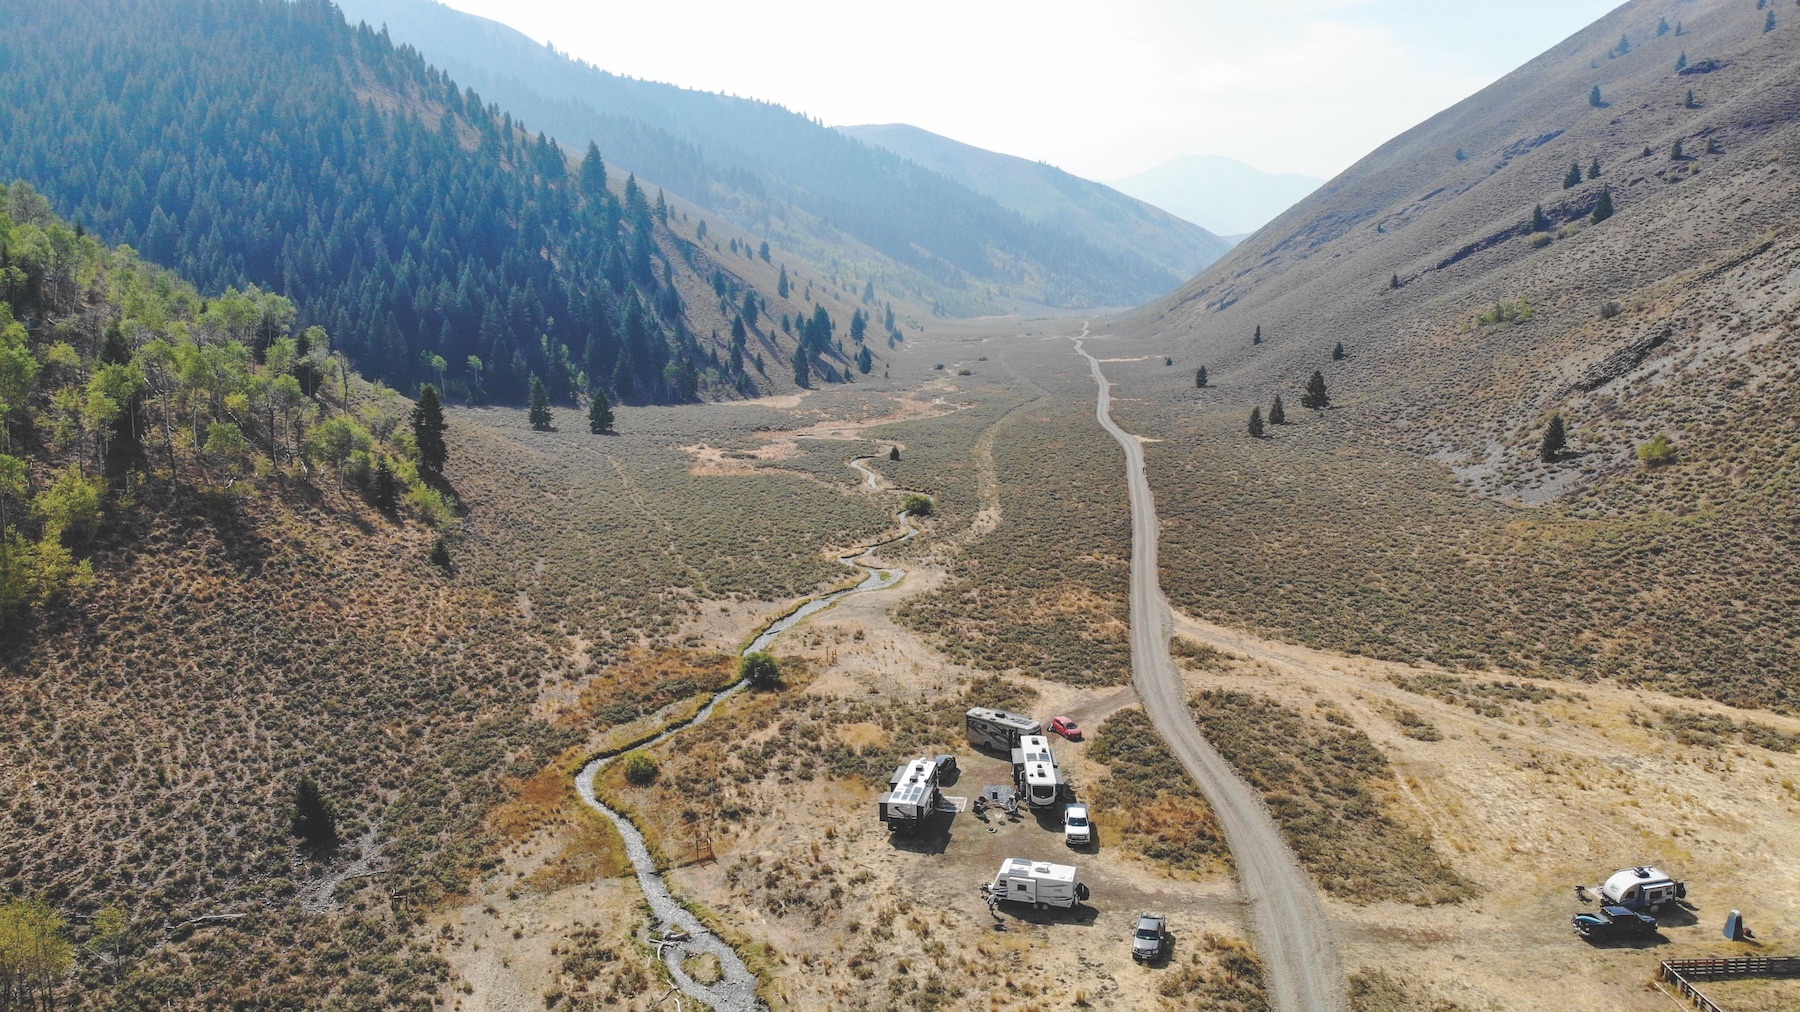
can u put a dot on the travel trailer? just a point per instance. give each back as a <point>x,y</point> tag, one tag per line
<point>1021,880</point>
<point>912,796</point>
<point>1642,888</point>
<point>997,730</point>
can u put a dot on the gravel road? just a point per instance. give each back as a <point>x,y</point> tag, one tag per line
<point>1298,952</point>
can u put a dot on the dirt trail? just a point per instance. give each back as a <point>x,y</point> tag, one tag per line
<point>1298,951</point>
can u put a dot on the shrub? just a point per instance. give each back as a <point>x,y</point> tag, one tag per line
<point>640,769</point>
<point>761,670</point>
<point>918,505</point>
<point>1658,451</point>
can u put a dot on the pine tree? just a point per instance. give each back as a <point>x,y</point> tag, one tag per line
<point>1256,423</point>
<point>440,552</point>
<point>763,251</point>
<point>540,405</point>
<point>1662,27</point>
<point>1690,102</point>
<point>1712,146</point>
<point>1594,98</point>
<point>1594,169</point>
<point>1681,62</point>
<point>1675,154</point>
<point>1539,222</point>
<point>1394,282</point>
<point>749,308</point>
<point>428,428</point>
<point>802,374</point>
<point>600,413</point>
<point>1554,441</point>
<point>1258,338</point>
<point>1200,378</point>
<point>865,362</point>
<point>893,453</point>
<point>1573,179</point>
<point>1277,413</point>
<point>593,174</point>
<point>1315,396</point>
<point>1337,353</point>
<point>313,820</point>
<point>1769,25</point>
<point>1603,208</point>
<point>386,497</point>
<point>781,283</point>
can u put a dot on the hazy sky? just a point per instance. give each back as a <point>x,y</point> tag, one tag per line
<point>1103,88</point>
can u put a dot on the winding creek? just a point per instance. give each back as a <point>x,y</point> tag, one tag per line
<point>736,990</point>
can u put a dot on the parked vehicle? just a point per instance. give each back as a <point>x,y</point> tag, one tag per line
<point>1022,880</point>
<point>1642,888</point>
<point>1066,727</point>
<point>1614,922</point>
<point>1151,938</point>
<point>1036,774</point>
<point>1077,829</point>
<point>912,796</point>
<point>997,730</point>
<point>946,768</point>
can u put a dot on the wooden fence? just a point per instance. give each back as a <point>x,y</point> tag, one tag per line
<point>1682,973</point>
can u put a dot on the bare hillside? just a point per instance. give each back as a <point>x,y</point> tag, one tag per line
<point>1433,528</point>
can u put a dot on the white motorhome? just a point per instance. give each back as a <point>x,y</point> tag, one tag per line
<point>1039,779</point>
<point>1642,888</point>
<point>911,797</point>
<point>998,730</point>
<point>1021,880</point>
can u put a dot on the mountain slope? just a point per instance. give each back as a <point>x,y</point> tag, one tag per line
<point>424,228</point>
<point>1433,526</point>
<point>1223,194</point>
<point>751,160</point>
<point>1043,193</point>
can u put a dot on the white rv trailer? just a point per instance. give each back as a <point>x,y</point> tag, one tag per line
<point>912,796</point>
<point>1038,777</point>
<point>1021,880</point>
<point>998,730</point>
<point>1642,888</point>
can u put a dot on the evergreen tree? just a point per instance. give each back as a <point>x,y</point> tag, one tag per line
<point>593,174</point>
<point>865,362</point>
<point>428,428</point>
<point>600,413</point>
<point>1603,208</point>
<point>1712,146</point>
<point>749,308</point>
<point>386,497</point>
<point>763,251</point>
<point>893,453</point>
<point>1769,24</point>
<point>1394,282</point>
<point>781,284</point>
<point>1256,423</point>
<point>313,821</point>
<point>802,374</point>
<point>1277,413</point>
<point>738,333</point>
<point>1315,396</point>
<point>1337,353</point>
<point>1554,441</point>
<point>540,405</point>
<point>1675,154</point>
<point>1539,222</point>
<point>1662,27</point>
<point>1200,378</point>
<point>1681,63</point>
<point>1257,338</point>
<point>1594,98</point>
<point>440,552</point>
<point>869,291</point>
<point>859,325</point>
<point>1593,171</point>
<point>1573,179</point>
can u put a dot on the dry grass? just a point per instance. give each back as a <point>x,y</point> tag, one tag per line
<point>1330,790</point>
<point>1217,973</point>
<point>1148,802</point>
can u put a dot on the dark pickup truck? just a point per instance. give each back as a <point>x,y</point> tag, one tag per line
<point>1610,923</point>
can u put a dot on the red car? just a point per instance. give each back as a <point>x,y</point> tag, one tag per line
<point>1065,727</point>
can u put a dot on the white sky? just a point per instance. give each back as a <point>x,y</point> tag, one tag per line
<point>1102,88</point>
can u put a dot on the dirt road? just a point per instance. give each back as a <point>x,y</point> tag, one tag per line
<point>1298,952</point>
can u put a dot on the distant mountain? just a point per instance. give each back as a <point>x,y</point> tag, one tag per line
<point>1048,195</point>
<point>1608,238</point>
<point>1220,194</point>
<point>419,224</point>
<point>781,174</point>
